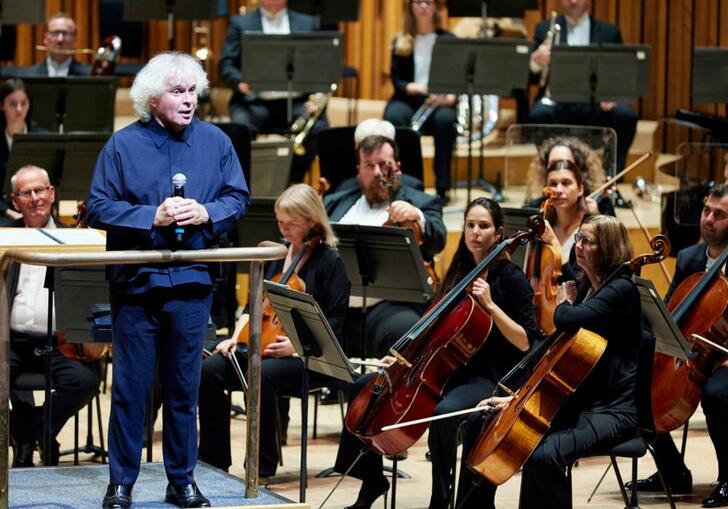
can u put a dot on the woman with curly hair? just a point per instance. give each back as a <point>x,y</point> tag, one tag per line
<point>570,168</point>
<point>410,72</point>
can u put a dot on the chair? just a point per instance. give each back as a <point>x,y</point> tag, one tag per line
<point>639,445</point>
<point>337,156</point>
<point>31,381</point>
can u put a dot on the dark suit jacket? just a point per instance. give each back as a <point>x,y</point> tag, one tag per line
<point>600,32</point>
<point>41,69</point>
<point>230,59</point>
<point>337,204</point>
<point>689,261</point>
<point>402,72</point>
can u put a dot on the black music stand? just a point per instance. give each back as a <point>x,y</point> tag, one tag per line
<point>69,160</point>
<point>669,338</point>
<point>516,220</point>
<point>316,344</point>
<point>171,10</point>
<point>306,61</point>
<point>327,11</point>
<point>382,262</point>
<point>710,75</point>
<point>15,12</point>
<point>605,72</point>
<point>74,103</point>
<point>465,66</point>
<point>80,292</point>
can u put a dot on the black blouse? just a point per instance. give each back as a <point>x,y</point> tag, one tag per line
<point>512,292</point>
<point>325,278</point>
<point>614,313</point>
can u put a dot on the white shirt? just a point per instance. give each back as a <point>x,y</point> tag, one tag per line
<point>423,57</point>
<point>29,313</point>
<point>566,247</point>
<point>275,23</point>
<point>711,261</point>
<point>56,70</point>
<point>9,137</point>
<point>577,32</point>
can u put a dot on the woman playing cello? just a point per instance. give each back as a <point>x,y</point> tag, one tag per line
<point>300,214</point>
<point>604,407</point>
<point>507,296</point>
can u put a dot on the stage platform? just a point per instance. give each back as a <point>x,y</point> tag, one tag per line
<point>82,487</point>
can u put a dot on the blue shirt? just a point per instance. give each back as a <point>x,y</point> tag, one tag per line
<point>133,176</point>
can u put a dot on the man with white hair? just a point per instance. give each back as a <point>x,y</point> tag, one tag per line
<point>162,308</point>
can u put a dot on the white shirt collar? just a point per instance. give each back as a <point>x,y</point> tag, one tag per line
<point>9,137</point>
<point>58,70</point>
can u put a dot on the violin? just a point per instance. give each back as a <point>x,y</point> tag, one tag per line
<point>568,357</point>
<point>414,226</point>
<point>439,344</point>
<point>699,305</point>
<point>84,352</point>
<point>272,326</point>
<point>543,270</point>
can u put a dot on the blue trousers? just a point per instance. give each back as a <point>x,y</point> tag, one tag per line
<point>170,322</point>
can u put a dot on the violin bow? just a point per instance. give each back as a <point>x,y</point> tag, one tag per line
<point>619,175</point>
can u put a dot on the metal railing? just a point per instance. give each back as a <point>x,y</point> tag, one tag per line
<point>266,251</point>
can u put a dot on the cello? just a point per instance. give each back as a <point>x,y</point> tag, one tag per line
<point>543,270</point>
<point>508,441</point>
<point>699,305</point>
<point>441,342</point>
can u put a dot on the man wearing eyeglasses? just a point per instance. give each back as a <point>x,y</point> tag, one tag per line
<point>60,41</point>
<point>369,204</point>
<point>74,382</point>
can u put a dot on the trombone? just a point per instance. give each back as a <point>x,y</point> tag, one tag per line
<point>302,126</point>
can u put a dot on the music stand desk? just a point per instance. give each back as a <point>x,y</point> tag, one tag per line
<point>669,339</point>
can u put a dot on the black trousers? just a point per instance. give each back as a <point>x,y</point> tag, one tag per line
<point>714,401</point>
<point>279,377</point>
<point>265,116</point>
<point>621,118</point>
<point>546,476</point>
<point>386,322</point>
<point>463,391</point>
<point>440,125</point>
<point>474,492</point>
<point>74,384</point>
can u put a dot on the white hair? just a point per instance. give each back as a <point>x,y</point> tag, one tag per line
<point>155,77</point>
<point>28,168</point>
<point>373,126</point>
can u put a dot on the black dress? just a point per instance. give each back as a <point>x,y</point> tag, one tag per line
<point>325,278</point>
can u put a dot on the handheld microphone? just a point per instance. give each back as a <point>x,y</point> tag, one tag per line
<point>178,184</point>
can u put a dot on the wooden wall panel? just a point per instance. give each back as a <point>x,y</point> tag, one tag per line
<point>671,27</point>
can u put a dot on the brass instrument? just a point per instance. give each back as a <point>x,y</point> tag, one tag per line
<point>553,37</point>
<point>423,113</point>
<point>301,127</point>
<point>200,43</point>
<point>106,56</point>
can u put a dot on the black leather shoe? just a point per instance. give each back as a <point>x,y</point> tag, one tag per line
<point>369,492</point>
<point>185,495</point>
<point>683,483</point>
<point>719,497</point>
<point>118,496</point>
<point>22,454</point>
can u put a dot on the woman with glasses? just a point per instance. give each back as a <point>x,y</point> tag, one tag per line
<point>410,72</point>
<point>570,169</point>
<point>506,295</point>
<point>306,229</point>
<point>603,410</point>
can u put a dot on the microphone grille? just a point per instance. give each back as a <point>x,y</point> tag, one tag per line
<point>179,179</point>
